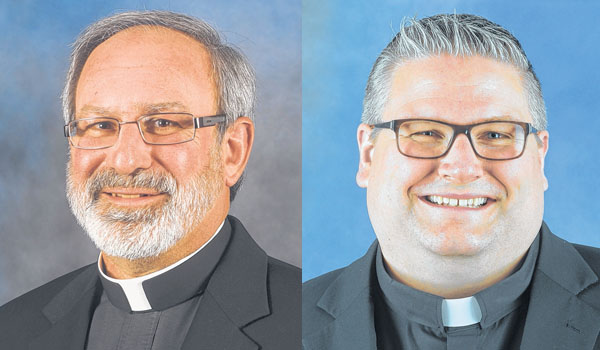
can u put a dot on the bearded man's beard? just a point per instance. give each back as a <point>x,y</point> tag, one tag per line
<point>148,231</point>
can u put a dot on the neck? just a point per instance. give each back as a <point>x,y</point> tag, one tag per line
<point>121,268</point>
<point>451,277</point>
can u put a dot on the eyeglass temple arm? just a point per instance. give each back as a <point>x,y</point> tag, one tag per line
<point>202,122</point>
<point>386,125</point>
<point>532,130</point>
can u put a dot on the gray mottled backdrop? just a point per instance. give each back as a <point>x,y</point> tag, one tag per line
<point>39,238</point>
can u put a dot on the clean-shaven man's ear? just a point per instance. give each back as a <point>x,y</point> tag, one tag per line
<point>365,151</point>
<point>236,147</point>
<point>544,137</point>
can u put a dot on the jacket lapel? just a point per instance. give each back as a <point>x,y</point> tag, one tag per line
<point>236,295</point>
<point>70,313</point>
<point>557,317</point>
<point>212,329</point>
<point>348,301</point>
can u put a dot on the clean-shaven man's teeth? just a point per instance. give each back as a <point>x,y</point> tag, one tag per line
<point>122,195</point>
<point>453,202</point>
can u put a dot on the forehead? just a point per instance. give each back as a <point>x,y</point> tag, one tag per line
<point>148,63</point>
<point>147,44</point>
<point>456,89</point>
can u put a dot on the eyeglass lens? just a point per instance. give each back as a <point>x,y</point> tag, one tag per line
<point>429,139</point>
<point>163,129</point>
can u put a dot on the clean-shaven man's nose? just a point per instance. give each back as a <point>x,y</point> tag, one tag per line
<point>461,165</point>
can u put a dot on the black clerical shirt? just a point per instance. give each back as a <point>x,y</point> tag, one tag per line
<point>406,318</point>
<point>157,313</point>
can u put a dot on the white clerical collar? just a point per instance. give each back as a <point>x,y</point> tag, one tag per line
<point>486,307</point>
<point>133,288</point>
<point>460,312</point>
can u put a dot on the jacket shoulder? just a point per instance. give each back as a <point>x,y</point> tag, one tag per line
<point>22,318</point>
<point>284,287</point>
<point>285,292</point>
<point>313,289</point>
<point>313,317</point>
<point>281,328</point>
<point>284,271</point>
<point>591,255</point>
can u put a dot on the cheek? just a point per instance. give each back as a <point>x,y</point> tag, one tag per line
<point>84,162</point>
<point>522,180</point>
<point>178,161</point>
<point>384,175</point>
<point>185,160</point>
<point>393,176</point>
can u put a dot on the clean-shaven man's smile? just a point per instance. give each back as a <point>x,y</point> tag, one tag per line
<point>458,201</point>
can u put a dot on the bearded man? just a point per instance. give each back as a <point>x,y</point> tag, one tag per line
<point>159,117</point>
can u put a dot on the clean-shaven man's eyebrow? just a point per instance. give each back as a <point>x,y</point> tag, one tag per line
<point>502,118</point>
<point>499,118</point>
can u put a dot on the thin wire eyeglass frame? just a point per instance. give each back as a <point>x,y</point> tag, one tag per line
<point>394,125</point>
<point>199,122</point>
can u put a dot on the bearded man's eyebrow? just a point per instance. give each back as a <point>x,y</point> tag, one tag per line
<point>95,110</point>
<point>164,107</point>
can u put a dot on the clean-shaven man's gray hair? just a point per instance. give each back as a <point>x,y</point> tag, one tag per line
<point>457,35</point>
<point>234,77</point>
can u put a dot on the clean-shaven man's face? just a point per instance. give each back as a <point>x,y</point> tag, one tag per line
<point>136,200</point>
<point>459,91</point>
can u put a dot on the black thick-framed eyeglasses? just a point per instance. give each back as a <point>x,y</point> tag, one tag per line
<point>430,139</point>
<point>156,129</point>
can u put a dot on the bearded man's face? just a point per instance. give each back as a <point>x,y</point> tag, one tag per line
<point>136,199</point>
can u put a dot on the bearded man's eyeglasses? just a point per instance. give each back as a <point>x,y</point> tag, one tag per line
<point>156,129</point>
<point>429,139</point>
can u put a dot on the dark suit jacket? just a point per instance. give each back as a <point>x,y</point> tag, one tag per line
<point>252,301</point>
<point>564,307</point>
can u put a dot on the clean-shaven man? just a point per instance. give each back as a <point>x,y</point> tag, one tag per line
<point>452,146</point>
<point>159,116</point>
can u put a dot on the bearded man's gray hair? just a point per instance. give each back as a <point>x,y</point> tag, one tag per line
<point>457,35</point>
<point>233,75</point>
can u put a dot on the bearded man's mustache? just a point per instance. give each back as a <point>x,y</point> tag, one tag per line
<point>108,178</point>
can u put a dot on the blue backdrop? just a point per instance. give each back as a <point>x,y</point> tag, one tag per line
<point>340,42</point>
